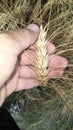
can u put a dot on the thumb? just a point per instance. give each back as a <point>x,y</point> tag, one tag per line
<point>23,38</point>
<point>12,43</point>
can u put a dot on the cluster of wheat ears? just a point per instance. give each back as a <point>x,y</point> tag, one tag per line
<point>55,18</point>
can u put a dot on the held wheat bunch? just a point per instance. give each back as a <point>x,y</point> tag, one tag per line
<point>42,70</point>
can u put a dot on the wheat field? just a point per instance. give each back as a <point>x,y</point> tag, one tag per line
<point>51,107</point>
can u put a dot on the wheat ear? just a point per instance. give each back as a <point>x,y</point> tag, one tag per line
<point>42,69</point>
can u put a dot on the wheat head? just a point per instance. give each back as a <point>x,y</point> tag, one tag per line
<point>42,69</point>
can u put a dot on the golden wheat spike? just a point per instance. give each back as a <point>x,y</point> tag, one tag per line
<point>42,69</point>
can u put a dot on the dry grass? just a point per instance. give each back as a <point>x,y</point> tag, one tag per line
<point>56,16</point>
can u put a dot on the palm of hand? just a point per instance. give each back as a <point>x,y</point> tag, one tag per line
<point>24,77</point>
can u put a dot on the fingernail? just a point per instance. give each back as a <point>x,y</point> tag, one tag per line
<point>33,27</point>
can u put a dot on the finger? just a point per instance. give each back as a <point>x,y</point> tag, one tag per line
<point>56,73</point>
<point>29,56</point>
<point>57,61</point>
<point>26,84</point>
<point>57,65</point>
<point>25,37</point>
<point>50,47</point>
<point>16,41</point>
<point>27,72</point>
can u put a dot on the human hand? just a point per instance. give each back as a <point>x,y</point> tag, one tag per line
<point>16,64</point>
<point>12,44</point>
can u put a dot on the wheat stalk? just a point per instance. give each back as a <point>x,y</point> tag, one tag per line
<point>42,69</point>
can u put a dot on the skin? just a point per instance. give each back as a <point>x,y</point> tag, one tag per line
<point>17,55</point>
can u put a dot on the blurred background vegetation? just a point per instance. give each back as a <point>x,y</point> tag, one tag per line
<point>44,108</point>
